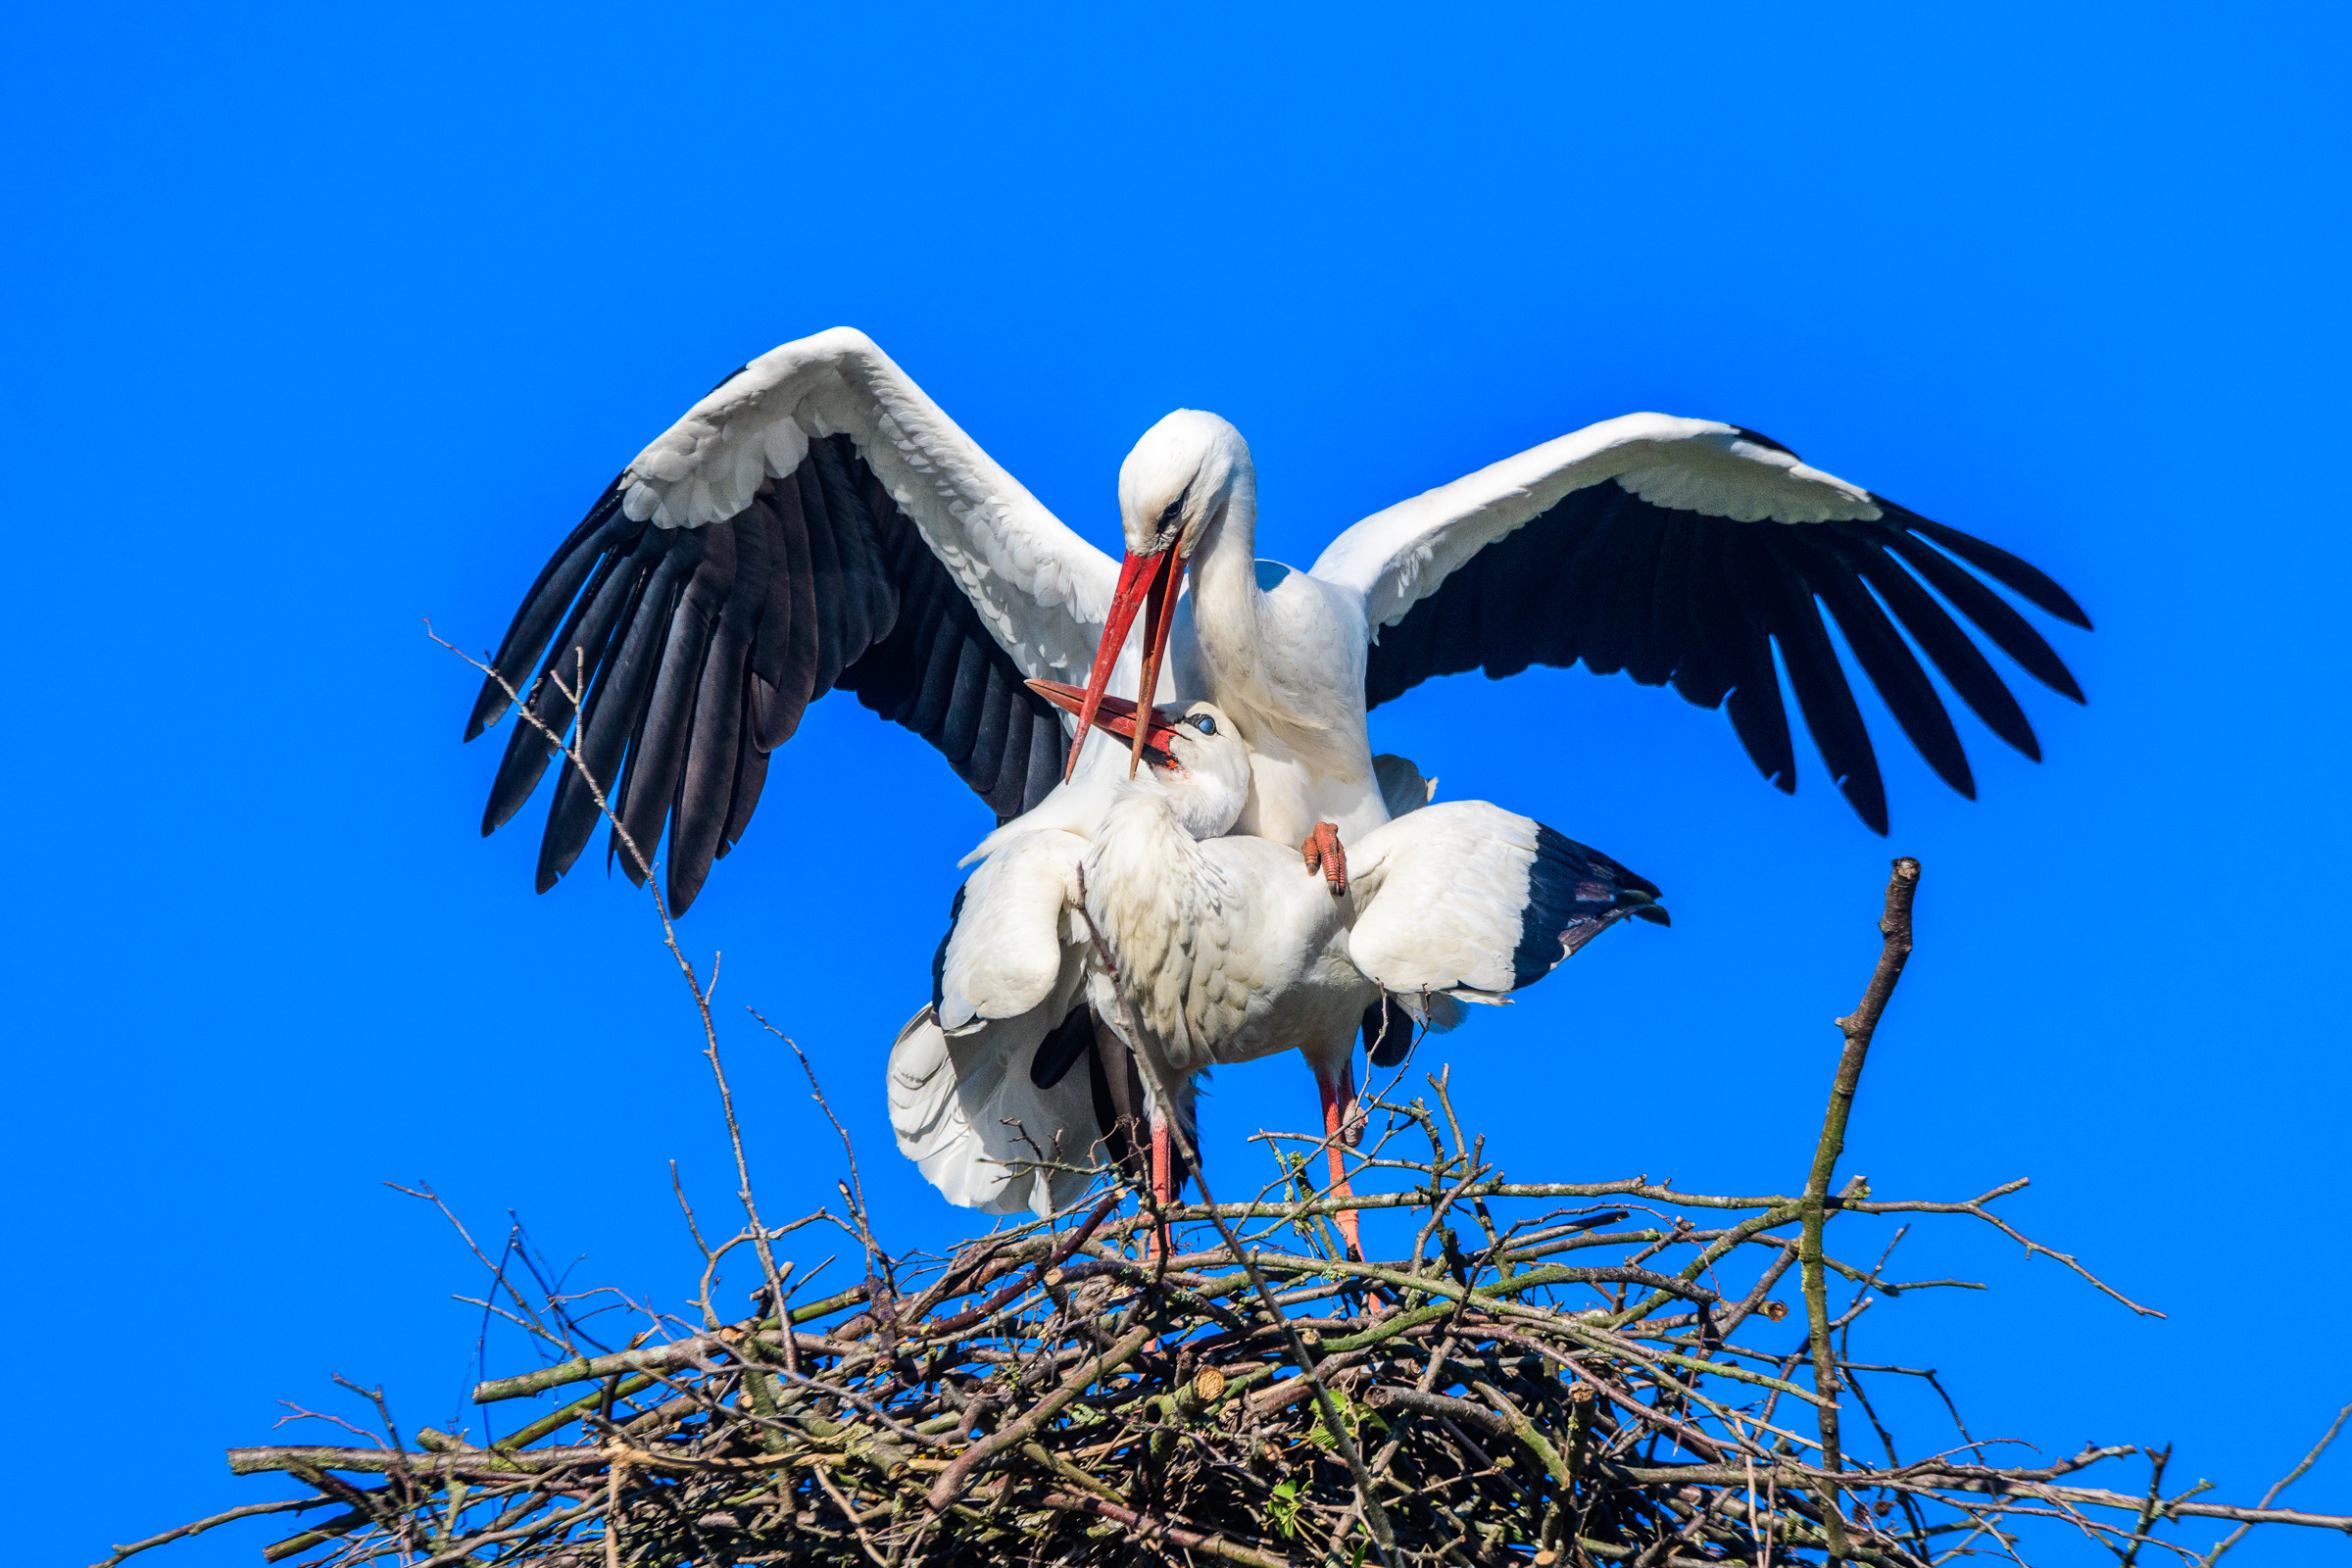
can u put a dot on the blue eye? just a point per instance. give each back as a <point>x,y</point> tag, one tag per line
<point>1202,722</point>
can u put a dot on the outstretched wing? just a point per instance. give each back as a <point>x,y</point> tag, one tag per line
<point>814,523</point>
<point>1683,551</point>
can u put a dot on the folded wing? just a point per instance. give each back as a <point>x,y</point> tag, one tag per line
<point>1466,899</point>
<point>1007,950</point>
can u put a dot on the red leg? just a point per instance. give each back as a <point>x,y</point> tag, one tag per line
<point>1324,853</point>
<point>1339,1108</point>
<point>1163,1182</point>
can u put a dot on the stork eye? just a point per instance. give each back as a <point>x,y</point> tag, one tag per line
<point>1202,722</point>
<point>1173,518</point>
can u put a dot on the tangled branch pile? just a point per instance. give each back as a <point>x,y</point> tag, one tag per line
<point>1552,1372</point>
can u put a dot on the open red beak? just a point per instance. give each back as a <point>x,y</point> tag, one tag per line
<point>1116,715</point>
<point>1147,583</point>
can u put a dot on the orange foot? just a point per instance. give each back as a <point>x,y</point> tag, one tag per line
<point>1324,853</point>
<point>1342,1117</point>
<point>1163,1188</point>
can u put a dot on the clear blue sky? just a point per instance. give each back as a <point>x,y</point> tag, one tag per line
<point>317,325</point>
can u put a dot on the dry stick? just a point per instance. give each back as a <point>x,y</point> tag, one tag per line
<point>2148,1510</point>
<point>575,695</point>
<point>816,1091</point>
<point>615,1477</point>
<point>993,1525</point>
<point>1384,1537</point>
<point>648,1359</point>
<point>1931,1475</point>
<point>1013,1435</point>
<point>1152,1531</point>
<point>463,1550</point>
<point>248,1511</point>
<point>2285,1481</point>
<point>1895,928</point>
<point>1044,1266</point>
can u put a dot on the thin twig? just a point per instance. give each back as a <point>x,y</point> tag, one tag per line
<point>1894,950</point>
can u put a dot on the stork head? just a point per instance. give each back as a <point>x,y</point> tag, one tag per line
<point>1179,481</point>
<point>1183,480</point>
<point>1202,768</point>
<point>1197,758</point>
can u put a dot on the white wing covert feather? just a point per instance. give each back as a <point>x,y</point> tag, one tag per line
<point>816,524</point>
<point>1702,555</point>
<point>1465,897</point>
<point>1397,557</point>
<point>1007,950</point>
<point>1042,589</point>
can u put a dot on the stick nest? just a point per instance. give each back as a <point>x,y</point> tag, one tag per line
<point>1554,1373</point>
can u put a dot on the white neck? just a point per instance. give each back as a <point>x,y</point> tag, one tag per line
<point>1288,668</point>
<point>1228,607</point>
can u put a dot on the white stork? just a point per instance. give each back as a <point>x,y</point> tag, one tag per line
<point>1215,949</point>
<point>1632,543</point>
<point>817,522</point>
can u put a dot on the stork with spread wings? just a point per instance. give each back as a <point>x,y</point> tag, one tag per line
<point>817,522</point>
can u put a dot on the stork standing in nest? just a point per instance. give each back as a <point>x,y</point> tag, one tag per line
<point>1199,947</point>
<point>818,524</point>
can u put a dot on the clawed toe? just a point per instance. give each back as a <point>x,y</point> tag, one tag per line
<point>1325,853</point>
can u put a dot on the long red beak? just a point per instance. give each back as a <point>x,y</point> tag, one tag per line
<point>1114,714</point>
<point>1147,583</point>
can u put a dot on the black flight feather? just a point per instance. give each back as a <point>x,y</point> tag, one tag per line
<point>702,647</point>
<point>1991,612</point>
<point>557,581</point>
<point>1908,693</point>
<point>1675,595</point>
<point>604,723</point>
<point>1573,894</point>
<point>1961,661</point>
<point>660,764</point>
<point>616,715</point>
<point>1998,565</point>
<point>1062,1047</point>
<point>1824,696</point>
<point>1758,713</point>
